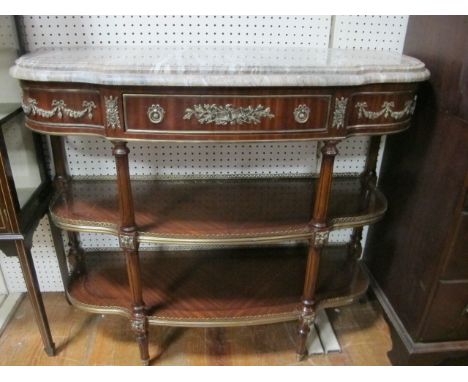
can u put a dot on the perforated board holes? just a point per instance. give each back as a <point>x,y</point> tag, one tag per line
<point>176,30</point>
<point>375,32</point>
<point>8,38</point>
<point>45,262</point>
<point>93,157</point>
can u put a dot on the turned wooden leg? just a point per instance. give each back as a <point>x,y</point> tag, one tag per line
<point>62,190</point>
<point>32,285</point>
<point>368,180</point>
<point>128,239</point>
<point>308,304</point>
<point>140,329</point>
<point>60,251</point>
<point>355,246</point>
<point>76,255</point>
<point>319,225</point>
<point>139,322</point>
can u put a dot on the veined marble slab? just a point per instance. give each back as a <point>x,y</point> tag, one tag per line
<point>217,66</point>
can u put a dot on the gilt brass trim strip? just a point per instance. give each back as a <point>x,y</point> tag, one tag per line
<point>361,220</point>
<point>262,319</point>
<point>98,309</point>
<point>201,177</point>
<point>221,141</point>
<point>224,322</point>
<point>187,322</point>
<point>65,125</point>
<point>335,302</point>
<point>300,233</point>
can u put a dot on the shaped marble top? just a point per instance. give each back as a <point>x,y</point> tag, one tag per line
<point>217,66</point>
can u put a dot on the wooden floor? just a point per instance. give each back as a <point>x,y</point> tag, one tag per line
<point>87,339</point>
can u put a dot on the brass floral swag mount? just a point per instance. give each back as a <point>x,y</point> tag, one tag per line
<point>228,114</point>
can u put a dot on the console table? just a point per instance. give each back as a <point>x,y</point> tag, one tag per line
<point>238,272</point>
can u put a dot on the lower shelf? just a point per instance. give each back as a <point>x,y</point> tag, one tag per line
<point>218,287</point>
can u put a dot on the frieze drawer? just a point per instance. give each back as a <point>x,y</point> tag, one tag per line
<point>63,108</point>
<point>380,111</point>
<point>225,114</point>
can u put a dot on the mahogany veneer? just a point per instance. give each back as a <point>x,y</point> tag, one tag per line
<point>132,103</point>
<point>216,210</point>
<point>216,287</point>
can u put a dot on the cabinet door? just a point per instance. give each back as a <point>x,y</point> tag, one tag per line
<point>448,317</point>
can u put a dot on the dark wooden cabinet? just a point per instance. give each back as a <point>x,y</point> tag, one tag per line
<point>22,205</point>
<point>418,255</point>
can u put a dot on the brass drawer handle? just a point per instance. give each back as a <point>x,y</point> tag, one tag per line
<point>228,114</point>
<point>301,113</point>
<point>156,113</point>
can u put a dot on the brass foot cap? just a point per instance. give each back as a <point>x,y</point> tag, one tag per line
<point>145,362</point>
<point>300,357</point>
<point>50,351</point>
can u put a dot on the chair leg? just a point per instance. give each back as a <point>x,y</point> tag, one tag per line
<point>32,285</point>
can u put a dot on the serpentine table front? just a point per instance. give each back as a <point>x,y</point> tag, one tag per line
<point>238,271</point>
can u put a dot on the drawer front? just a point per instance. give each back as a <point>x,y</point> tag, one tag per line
<point>380,111</point>
<point>63,107</point>
<point>193,114</point>
<point>447,319</point>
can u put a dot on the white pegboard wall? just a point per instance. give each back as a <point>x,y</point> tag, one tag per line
<point>8,38</point>
<point>9,89</point>
<point>45,262</point>
<point>21,154</point>
<point>375,32</point>
<point>175,30</point>
<point>92,156</point>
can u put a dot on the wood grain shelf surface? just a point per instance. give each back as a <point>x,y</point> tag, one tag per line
<point>218,287</point>
<point>216,211</point>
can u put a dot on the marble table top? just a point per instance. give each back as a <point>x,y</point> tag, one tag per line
<point>217,66</point>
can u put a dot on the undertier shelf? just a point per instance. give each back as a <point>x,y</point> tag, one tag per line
<point>216,211</point>
<point>218,287</point>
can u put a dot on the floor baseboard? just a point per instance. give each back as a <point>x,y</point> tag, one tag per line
<point>8,305</point>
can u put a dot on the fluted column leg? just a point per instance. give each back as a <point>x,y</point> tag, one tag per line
<point>129,243</point>
<point>368,180</point>
<point>318,223</point>
<point>61,181</point>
